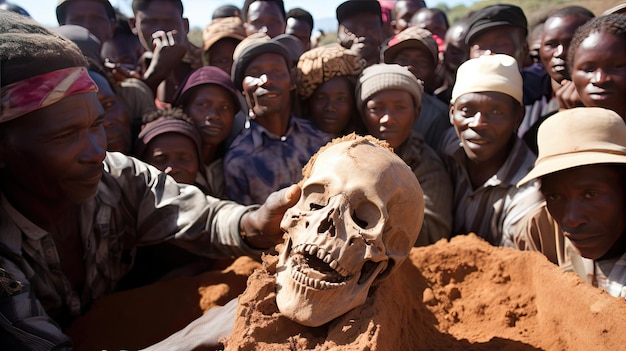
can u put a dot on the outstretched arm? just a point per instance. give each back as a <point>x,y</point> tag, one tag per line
<point>261,228</point>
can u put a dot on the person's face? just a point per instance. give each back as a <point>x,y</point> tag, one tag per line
<point>123,49</point>
<point>92,15</point>
<point>213,110</point>
<point>159,15</point>
<point>55,153</point>
<point>265,17</point>
<point>588,204</point>
<point>485,123</point>
<point>419,61</point>
<point>389,115</point>
<point>456,51</point>
<point>403,12</point>
<point>366,26</point>
<point>557,35</point>
<point>506,39</point>
<point>432,21</point>
<point>599,72</point>
<point>221,54</point>
<point>332,105</point>
<point>174,154</point>
<point>300,30</point>
<point>271,96</point>
<point>116,120</point>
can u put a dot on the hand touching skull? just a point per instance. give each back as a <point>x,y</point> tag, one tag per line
<point>359,215</point>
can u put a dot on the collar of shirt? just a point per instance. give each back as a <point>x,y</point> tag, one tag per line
<point>20,223</point>
<point>410,151</point>
<point>519,162</point>
<point>259,133</point>
<point>30,229</point>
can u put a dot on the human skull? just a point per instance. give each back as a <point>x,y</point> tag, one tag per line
<point>359,215</point>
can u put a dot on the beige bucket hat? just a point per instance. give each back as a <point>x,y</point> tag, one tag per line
<point>577,137</point>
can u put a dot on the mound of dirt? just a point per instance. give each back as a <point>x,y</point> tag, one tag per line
<point>461,294</point>
<point>137,318</point>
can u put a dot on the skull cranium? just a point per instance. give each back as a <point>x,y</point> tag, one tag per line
<point>360,213</point>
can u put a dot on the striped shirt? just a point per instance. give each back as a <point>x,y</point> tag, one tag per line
<point>135,205</point>
<point>211,181</point>
<point>540,232</point>
<point>436,186</point>
<point>494,209</point>
<point>259,162</point>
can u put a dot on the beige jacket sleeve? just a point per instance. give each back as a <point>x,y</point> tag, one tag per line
<point>540,232</point>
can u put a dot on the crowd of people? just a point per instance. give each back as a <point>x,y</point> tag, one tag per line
<point>128,153</point>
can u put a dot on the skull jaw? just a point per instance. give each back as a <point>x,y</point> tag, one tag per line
<point>311,306</point>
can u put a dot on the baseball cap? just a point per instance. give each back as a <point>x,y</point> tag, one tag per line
<point>410,38</point>
<point>350,8</point>
<point>494,16</point>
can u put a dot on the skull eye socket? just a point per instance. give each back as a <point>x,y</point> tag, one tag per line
<point>315,207</point>
<point>366,215</point>
<point>360,222</point>
<point>314,197</point>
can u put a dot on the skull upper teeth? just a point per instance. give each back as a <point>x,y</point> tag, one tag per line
<point>323,255</point>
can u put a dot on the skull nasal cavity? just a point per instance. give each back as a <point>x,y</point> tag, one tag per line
<point>327,225</point>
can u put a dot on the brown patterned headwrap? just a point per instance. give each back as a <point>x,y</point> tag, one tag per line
<point>319,65</point>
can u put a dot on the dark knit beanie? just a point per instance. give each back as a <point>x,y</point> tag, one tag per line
<point>28,49</point>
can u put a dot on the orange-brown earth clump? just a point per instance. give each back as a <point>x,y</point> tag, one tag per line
<point>461,294</point>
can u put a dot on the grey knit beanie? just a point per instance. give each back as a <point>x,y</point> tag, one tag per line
<point>386,76</point>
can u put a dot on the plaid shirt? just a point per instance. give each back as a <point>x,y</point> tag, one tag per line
<point>135,204</point>
<point>494,209</point>
<point>259,162</point>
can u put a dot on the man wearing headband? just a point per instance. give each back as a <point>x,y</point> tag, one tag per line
<point>581,226</point>
<point>486,158</point>
<point>73,214</point>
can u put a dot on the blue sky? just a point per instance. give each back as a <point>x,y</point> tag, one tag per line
<point>199,11</point>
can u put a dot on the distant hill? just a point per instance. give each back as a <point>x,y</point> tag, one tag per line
<point>328,24</point>
<point>535,10</point>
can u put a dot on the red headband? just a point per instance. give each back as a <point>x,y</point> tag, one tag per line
<point>37,92</point>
